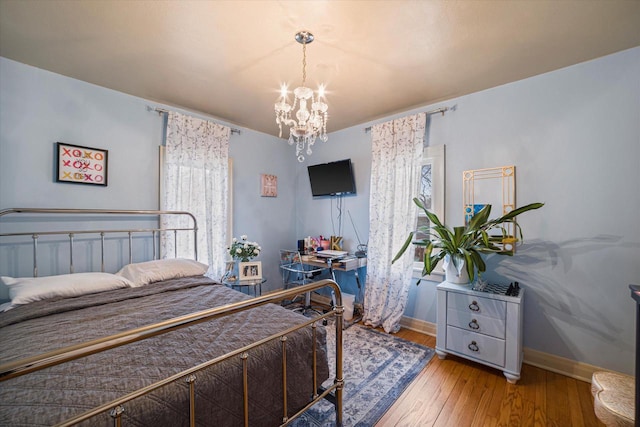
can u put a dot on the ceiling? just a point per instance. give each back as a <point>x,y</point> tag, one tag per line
<point>228,58</point>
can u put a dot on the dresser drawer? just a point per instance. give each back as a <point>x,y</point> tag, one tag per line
<point>478,305</point>
<point>476,346</point>
<point>474,322</point>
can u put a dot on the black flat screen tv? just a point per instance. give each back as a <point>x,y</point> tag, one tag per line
<point>332,179</point>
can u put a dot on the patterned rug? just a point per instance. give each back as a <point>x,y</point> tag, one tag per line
<point>377,369</point>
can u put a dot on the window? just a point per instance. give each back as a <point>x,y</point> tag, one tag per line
<point>432,188</point>
<point>162,194</point>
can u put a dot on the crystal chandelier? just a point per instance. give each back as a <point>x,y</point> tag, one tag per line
<point>311,123</point>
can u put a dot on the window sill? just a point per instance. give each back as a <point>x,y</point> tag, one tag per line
<point>435,276</point>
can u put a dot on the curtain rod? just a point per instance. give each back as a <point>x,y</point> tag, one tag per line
<point>436,111</point>
<point>163,111</point>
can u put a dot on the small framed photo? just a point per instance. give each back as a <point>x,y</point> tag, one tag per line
<point>250,270</point>
<point>81,165</point>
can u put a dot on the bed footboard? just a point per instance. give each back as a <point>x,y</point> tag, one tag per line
<point>118,406</point>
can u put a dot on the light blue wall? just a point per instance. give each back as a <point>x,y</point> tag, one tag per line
<point>574,136</point>
<point>267,220</point>
<point>38,108</point>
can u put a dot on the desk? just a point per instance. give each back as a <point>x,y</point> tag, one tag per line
<point>340,264</point>
<point>348,263</point>
<point>256,284</point>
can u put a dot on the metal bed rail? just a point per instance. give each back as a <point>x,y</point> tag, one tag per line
<point>155,232</point>
<point>36,363</point>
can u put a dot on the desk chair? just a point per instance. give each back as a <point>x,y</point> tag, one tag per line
<point>295,273</point>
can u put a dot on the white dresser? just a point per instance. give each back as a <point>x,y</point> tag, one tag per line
<point>481,326</point>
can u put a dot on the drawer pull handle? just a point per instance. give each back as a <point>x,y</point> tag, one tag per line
<point>474,324</point>
<point>473,346</point>
<point>474,306</point>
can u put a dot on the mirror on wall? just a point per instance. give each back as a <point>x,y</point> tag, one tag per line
<point>495,187</point>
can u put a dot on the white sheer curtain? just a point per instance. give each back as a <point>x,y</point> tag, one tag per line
<point>195,179</point>
<point>395,176</point>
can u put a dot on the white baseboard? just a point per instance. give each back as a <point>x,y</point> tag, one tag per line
<point>418,325</point>
<point>560,365</point>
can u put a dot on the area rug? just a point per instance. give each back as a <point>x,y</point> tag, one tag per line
<point>377,369</point>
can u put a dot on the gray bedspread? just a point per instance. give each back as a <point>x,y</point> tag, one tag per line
<point>60,392</point>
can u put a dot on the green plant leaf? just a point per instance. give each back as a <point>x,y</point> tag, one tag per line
<point>485,237</point>
<point>477,259</point>
<point>404,247</point>
<point>427,257</point>
<point>514,213</point>
<point>458,233</point>
<point>420,202</point>
<point>468,263</point>
<point>433,219</point>
<point>480,218</point>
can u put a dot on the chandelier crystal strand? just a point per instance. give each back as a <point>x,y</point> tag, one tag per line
<point>304,62</point>
<point>310,121</point>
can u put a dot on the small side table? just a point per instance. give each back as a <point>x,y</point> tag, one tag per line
<point>482,326</point>
<point>255,284</point>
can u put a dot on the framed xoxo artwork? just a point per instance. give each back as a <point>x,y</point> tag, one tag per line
<point>81,165</point>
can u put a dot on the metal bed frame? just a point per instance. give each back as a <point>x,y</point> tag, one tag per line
<point>155,232</point>
<point>116,407</point>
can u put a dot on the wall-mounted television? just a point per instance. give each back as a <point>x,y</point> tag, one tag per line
<point>332,179</point>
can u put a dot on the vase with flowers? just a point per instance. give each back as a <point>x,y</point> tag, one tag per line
<point>243,250</point>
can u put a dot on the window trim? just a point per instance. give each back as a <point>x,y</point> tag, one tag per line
<point>434,155</point>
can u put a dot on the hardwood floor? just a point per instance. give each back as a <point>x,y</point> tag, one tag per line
<point>458,392</point>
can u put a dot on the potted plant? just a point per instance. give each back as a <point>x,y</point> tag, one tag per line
<point>463,245</point>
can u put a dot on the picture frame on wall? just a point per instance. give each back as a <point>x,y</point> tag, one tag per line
<point>77,164</point>
<point>250,270</point>
<point>268,185</point>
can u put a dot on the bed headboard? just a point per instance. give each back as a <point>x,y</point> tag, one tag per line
<point>75,224</point>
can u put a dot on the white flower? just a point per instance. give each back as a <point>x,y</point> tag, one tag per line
<point>243,248</point>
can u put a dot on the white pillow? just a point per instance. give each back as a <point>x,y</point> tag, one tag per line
<point>24,290</point>
<point>143,273</point>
